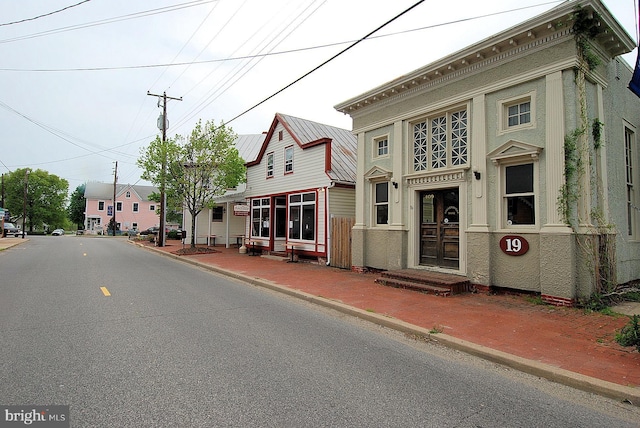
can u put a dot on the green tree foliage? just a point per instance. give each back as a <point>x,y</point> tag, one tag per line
<point>197,169</point>
<point>174,206</point>
<point>77,205</point>
<point>46,197</point>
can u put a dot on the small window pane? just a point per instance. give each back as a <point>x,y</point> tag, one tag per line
<point>382,192</point>
<point>295,198</point>
<point>309,197</point>
<point>519,179</point>
<point>520,210</point>
<point>382,216</point>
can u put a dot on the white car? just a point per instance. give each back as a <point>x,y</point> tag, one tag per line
<point>57,232</point>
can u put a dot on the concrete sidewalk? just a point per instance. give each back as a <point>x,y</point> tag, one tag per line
<point>564,345</point>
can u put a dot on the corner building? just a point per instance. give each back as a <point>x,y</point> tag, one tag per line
<point>512,162</point>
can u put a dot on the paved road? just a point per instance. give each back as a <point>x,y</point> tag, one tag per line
<point>176,346</point>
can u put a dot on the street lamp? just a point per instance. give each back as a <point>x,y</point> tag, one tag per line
<point>24,202</point>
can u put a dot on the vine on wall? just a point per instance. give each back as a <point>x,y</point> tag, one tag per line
<point>598,244</point>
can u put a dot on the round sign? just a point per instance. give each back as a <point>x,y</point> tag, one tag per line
<point>514,245</point>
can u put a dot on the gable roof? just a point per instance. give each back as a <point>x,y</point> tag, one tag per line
<point>249,145</point>
<point>307,133</point>
<point>549,27</point>
<point>96,190</point>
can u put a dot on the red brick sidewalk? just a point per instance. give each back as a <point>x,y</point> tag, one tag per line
<point>566,338</point>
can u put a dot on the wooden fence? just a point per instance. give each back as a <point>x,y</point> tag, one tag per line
<point>341,241</point>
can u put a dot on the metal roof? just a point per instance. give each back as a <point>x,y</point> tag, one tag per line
<point>249,146</point>
<point>343,144</point>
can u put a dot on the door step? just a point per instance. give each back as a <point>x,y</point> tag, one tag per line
<point>440,284</point>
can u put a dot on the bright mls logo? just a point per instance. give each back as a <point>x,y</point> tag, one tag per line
<point>36,416</point>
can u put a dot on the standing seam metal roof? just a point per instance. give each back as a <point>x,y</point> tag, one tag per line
<point>343,145</point>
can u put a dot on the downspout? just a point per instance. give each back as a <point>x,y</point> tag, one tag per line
<point>227,225</point>
<point>328,217</point>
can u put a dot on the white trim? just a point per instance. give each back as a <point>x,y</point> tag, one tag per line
<point>503,116</point>
<point>375,148</point>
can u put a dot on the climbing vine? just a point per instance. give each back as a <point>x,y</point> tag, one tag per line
<point>596,133</point>
<point>598,243</point>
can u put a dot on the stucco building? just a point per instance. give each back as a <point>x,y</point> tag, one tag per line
<point>511,162</point>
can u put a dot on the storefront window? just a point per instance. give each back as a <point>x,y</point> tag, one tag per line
<point>302,216</point>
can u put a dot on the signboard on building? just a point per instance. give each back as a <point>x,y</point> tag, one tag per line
<point>241,209</point>
<point>514,245</point>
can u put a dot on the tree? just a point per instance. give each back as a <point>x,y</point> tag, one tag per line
<point>77,205</point>
<point>198,169</point>
<point>46,197</point>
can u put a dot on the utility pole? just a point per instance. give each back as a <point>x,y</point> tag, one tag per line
<point>115,182</point>
<point>24,201</point>
<point>163,126</point>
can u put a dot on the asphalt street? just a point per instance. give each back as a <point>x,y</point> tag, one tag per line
<point>132,339</point>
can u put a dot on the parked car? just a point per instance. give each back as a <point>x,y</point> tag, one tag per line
<point>57,232</point>
<point>11,230</point>
<point>150,231</point>
<point>153,230</point>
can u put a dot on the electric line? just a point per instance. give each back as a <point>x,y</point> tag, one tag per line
<point>43,15</point>
<point>326,62</point>
<point>220,89</point>
<point>285,52</point>
<point>127,17</point>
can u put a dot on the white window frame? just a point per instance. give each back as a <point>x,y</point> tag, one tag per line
<point>301,204</point>
<point>135,207</point>
<point>375,203</point>
<point>631,191</point>
<point>118,206</point>
<point>261,204</point>
<point>217,214</point>
<point>152,207</point>
<point>503,113</point>
<point>503,214</point>
<point>127,195</point>
<point>381,142</point>
<point>449,162</point>
<point>288,163</point>
<point>270,165</point>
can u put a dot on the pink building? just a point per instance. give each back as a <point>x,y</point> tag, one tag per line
<point>133,208</point>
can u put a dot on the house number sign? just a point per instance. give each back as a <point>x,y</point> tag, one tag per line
<point>514,245</point>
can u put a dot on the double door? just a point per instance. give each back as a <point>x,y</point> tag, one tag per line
<point>440,228</point>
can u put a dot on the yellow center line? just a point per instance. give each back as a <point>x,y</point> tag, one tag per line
<point>105,291</point>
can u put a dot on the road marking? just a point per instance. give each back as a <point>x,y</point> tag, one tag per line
<point>105,291</point>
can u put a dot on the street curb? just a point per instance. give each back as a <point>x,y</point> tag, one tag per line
<point>555,374</point>
<point>13,243</point>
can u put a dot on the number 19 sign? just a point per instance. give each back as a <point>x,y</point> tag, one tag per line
<point>514,245</point>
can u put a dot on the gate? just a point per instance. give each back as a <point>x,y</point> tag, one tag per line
<point>341,241</point>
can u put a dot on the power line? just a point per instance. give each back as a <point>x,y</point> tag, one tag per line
<point>327,61</point>
<point>128,17</point>
<point>43,15</point>
<point>232,77</point>
<point>285,52</point>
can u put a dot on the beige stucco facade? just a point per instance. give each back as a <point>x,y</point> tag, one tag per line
<point>470,183</point>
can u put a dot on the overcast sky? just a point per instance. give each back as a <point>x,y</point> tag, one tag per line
<point>73,84</point>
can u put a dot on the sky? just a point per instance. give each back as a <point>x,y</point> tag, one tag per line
<point>75,74</point>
